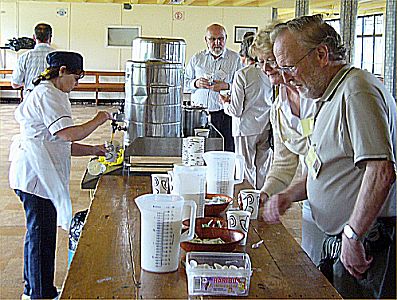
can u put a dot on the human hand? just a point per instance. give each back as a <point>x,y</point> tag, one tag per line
<point>263,198</point>
<point>202,83</point>
<point>218,85</point>
<point>102,116</point>
<point>353,257</point>
<point>275,207</point>
<point>224,98</point>
<point>98,150</point>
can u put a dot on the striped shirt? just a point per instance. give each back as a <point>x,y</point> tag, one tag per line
<point>30,65</point>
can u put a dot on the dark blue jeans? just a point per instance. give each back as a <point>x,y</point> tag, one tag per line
<point>40,245</point>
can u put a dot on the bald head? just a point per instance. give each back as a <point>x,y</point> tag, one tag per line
<point>215,39</point>
<point>215,28</point>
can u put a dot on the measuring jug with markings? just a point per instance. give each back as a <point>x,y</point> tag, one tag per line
<point>189,182</point>
<point>161,226</point>
<point>224,170</point>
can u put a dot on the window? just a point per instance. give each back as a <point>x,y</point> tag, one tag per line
<point>121,36</point>
<point>369,43</point>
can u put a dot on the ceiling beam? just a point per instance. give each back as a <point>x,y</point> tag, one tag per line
<point>242,2</point>
<point>276,3</point>
<point>162,1</point>
<point>214,2</point>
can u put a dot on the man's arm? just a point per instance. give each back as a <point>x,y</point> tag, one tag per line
<point>378,177</point>
<point>18,74</point>
<point>190,77</point>
<point>278,204</point>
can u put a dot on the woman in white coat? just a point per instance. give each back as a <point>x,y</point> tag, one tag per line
<point>40,167</point>
<point>249,106</point>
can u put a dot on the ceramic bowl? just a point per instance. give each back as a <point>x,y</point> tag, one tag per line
<point>206,220</point>
<point>214,210</point>
<point>231,238</point>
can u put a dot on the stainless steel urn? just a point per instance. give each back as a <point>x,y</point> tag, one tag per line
<point>154,89</point>
<point>165,49</point>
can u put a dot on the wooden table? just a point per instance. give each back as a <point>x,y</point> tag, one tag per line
<point>107,261</point>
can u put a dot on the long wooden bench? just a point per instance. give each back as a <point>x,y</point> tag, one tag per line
<point>5,83</point>
<point>98,86</point>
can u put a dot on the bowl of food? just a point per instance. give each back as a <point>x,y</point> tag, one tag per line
<point>213,240</point>
<point>207,222</point>
<point>215,204</point>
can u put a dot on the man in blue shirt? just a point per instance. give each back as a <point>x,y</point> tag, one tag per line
<point>210,71</point>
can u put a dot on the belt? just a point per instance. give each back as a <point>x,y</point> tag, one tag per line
<point>217,112</point>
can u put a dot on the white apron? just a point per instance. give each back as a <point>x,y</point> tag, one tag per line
<point>50,162</point>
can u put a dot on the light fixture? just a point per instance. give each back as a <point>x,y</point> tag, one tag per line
<point>176,1</point>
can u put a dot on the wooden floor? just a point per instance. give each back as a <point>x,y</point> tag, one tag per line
<point>12,219</point>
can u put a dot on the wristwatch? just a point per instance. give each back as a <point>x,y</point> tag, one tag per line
<point>350,234</point>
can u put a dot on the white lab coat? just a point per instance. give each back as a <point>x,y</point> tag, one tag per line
<point>40,161</point>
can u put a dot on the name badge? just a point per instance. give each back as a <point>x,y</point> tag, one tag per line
<point>307,126</point>
<point>313,162</point>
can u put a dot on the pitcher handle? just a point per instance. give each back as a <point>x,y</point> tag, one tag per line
<point>187,236</point>
<point>239,176</point>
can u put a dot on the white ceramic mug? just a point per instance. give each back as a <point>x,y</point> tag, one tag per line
<point>239,220</point>
<point>250,201</point>
<point>160,183</point>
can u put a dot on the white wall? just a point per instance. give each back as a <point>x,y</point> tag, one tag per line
<point>88,34</point>
<point>83,28</point>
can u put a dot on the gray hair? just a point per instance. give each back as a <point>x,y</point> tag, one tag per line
<point>312,31</point>
<point>262,43</point>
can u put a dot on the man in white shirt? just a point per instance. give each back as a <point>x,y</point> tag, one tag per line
<point>33,62</point>
<point>210,71</point>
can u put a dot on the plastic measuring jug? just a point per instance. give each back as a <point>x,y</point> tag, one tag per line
<point>189,182</point>
<point>161,226</point>
<point>224,170</point>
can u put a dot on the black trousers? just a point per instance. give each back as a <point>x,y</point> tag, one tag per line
<point>223,123</point>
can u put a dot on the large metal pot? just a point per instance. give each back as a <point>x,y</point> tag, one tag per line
<point>165,49</point>
<point>193,117</point>
<point>152,106</point>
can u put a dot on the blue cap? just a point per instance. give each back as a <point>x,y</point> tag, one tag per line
<point>71,60</point>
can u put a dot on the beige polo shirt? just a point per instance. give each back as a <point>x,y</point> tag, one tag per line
<point>355,120</point>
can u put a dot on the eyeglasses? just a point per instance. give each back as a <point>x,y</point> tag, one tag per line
<point>79,76</point>
<point>269,62</point>
<point>292,69</point>
<point>213,39</point>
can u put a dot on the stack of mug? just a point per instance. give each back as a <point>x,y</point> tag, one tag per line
<point>192,151</point>
<point>239,218</point>
<point>186,181</point>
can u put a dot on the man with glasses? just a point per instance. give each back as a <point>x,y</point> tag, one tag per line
<point>350,181</point>
<point>210,71</point>
<point>33,62</point>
